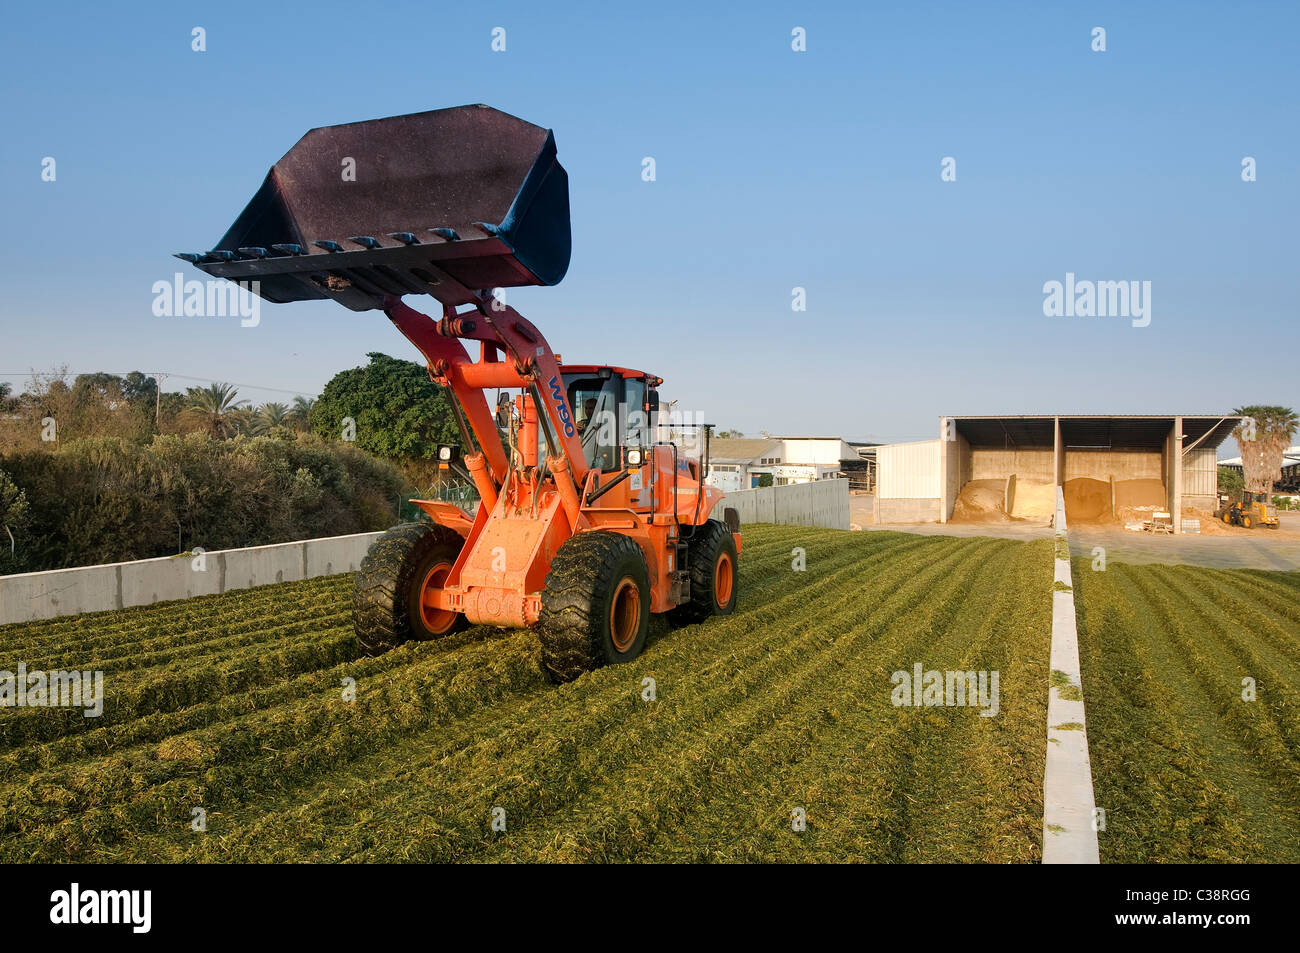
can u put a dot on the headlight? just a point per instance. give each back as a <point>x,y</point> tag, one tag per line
<point>444,453</point>
<point>634,458</point>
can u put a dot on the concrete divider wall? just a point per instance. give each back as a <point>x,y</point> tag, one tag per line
<point>1070,821</point>
<point>43,595</point>
<point>822,503</point>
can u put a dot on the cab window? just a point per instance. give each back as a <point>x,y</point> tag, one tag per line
<point>595,402</point>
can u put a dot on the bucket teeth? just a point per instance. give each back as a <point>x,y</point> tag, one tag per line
<point>447,233</point>
<point>253,251</point>
<point>328,245</point>
<point>365,241</point>
<point>288,249</point>
<point>192,258</point>
<point>222,255</point>
<point>404,237</point>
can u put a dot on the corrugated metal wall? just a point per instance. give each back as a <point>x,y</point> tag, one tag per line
<point>908,471</point>
<point>1201,472</point>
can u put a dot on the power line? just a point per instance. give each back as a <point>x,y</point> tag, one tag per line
<point>186,377</point>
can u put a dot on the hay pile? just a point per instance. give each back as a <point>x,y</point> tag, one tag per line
<point>1034,501</point>
<point>981,501</point>
<point>1087,501</point>
<point>1211,525</point>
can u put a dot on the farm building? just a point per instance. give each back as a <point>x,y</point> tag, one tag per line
<point>1115,468</point>
<point>739,463</point>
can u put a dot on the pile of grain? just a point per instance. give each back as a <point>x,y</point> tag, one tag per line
<point>981,501</point>
<point>1034,500</point>
<point>1087,501</point>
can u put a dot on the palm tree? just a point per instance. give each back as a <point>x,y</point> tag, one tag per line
<point>215,409</point>
<point>1262,449</point>
<point>270,416</point>
<point>299,416</point>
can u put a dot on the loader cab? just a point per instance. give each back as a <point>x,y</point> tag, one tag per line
<point>610,411</point>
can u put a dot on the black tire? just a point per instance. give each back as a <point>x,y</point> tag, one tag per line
<point>386,601</point>
<point>704,552</point>
<point>596,606</point>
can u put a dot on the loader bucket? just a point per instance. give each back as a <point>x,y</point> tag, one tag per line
<point>440,203</point>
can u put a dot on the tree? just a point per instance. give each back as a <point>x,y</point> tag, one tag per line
<point>269,416</point>
<point>1230,481</point>
<point>139,390</point>
<point>300,413</point>
<point>729,434</point>
<point>396,412</point>
<point>13,508</point>
<point>1263,445</point>
<point>215,409</point>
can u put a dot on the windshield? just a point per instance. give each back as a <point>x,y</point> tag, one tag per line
<point>607,413</point>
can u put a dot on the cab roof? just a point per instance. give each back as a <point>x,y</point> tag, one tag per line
<point>624,372</point>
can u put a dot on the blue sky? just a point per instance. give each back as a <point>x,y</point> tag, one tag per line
<point>775,170</point>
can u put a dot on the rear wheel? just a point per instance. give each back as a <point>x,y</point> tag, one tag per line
<point>1246,521</point>
<point>712,564</point>
<point>596,606</point>
<point>402,564</point>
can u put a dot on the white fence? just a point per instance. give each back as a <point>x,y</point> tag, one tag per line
<point>821,503</point>
<point>43,595</point>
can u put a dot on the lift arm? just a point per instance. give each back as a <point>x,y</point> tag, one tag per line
<point>532,365</point>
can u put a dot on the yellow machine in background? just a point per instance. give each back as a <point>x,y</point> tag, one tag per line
<point>1254,509</point>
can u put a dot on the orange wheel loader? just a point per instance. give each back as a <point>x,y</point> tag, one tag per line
<point>586,523</point>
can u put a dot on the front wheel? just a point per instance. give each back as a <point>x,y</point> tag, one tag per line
<point>388,602</point>
<point>596,606</point>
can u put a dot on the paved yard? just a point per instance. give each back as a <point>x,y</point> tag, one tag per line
<point>1244,549</point>
<point>1254,549</point>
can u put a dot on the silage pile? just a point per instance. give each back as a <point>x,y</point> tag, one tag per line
<point>1034,501</point>
<point>981,501</point>
<point>1087,501</point>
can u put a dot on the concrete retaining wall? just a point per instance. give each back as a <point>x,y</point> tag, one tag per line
<point>1120,464</point>
<point>908,511</point>
<point>821,503</point>
<point>1030,464</point>
<point>43,595</point>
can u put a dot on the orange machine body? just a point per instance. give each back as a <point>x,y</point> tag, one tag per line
<point>544,484</point>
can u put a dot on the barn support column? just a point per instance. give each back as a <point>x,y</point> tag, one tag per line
<point>1058,454</point>
<point>1176,507</point>
<point>946,447</point>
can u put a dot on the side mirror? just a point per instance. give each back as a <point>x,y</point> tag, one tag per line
<point>652,401</point>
